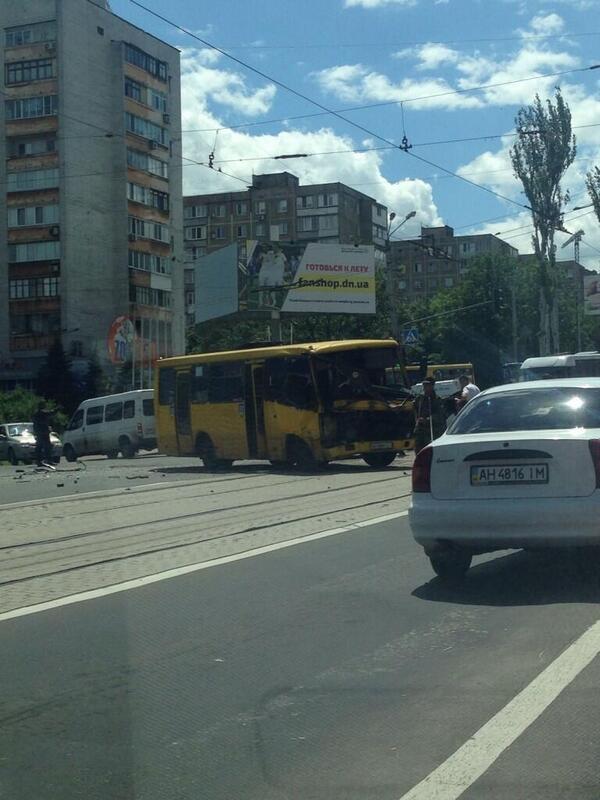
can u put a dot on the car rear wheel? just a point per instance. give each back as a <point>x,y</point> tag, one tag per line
<point>69,453</point>
<point>451,565</point>
<point>126,447</point>
<point>112,454</point>
<point>379,459</point>
<point>12,457</point>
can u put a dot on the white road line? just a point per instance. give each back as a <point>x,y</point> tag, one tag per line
<point>136,583</point>
<point>470,761</point>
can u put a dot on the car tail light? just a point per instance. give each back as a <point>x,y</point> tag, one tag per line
<point>595,453</point>
<point>140,430</point>
<point>421,471</point>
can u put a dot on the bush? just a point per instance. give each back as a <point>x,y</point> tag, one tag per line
<point>20,405</point>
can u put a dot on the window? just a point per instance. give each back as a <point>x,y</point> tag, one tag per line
<point>306,224</point>
<point>218,232</point>
<point>466,248</point>
<point>145,61</point>
<point>166,386</point>
<point>289,381</point>
<point>261,207</point>
<point>28,288</point>
<point>94,415</point>
<point>25,71</point>
<point>282,206</point>
<point>148,229</point>
<point>225,383</point>
<point>192,253</point>
<point>197,232</point>
<point>32,107</point>
<point>418,285</point>
<point>20,148</point>
<point>379,211</point>
<point>241,208</point>
<point>328,222</point>
<point>306,201</point>
<point>147,196</point>
<point>147,163</point>
<point>418,268</point>
<point>432,266</point>
<point>24,180</point>
<point>148,262</point>
<point>259,229</point>
<point>402,284</point>
<point>76,420</point>
<point>145,95</point>
<point>35,324</point>
<point>217,211</point>
<point>241,231</point>
<point>146,296</point>
<point>114,412</point>
<point>448,282</point>
<point>199,384</point>
<point>148,407</point>
<point>146,129</point>
<point>29,34</point>
<point>33,251</point>
<point>325,200</point>
<point>283,228</point>
<point>32,215</point>
<point>129,409</point>
<point>191,212</point>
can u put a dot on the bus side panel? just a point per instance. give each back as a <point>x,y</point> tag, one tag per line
<point>225,423</point>
<point>282,421</point>
<point>165,430</point>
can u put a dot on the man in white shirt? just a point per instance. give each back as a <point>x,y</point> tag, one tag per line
<point>468,391</point>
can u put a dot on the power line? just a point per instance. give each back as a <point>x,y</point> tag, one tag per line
<point>324,108</point>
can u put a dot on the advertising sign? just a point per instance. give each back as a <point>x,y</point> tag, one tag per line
<point>120,340</point>
<point>311,279</point>
<point>591,295</point>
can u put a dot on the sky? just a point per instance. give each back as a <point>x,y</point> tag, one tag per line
<point>417,65</point>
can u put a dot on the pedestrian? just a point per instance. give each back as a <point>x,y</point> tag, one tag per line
<point>468,391</point>
<point>41,432</point>
<point>430,416</point>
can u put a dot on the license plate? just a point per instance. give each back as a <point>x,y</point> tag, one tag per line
<point>382,445</point>
<point>509,474</point>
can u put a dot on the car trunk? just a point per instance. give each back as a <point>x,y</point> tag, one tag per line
<point>484,466</point>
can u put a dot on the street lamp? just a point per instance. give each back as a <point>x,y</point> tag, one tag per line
<point>391,281</point>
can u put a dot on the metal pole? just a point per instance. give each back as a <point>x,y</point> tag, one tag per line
<point>577,292</point>
<point>515,335</point>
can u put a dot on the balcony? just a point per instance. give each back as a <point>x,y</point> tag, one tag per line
<point>31,341</point>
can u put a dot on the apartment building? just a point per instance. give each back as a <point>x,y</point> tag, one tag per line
<point>91,206</point>
<point>438,259</point>
<point>277,208</point>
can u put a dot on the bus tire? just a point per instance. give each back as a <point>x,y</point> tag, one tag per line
<point>126,447</point>
<point>300,455</point>
<point>206,451</point>
<point>379,459</point>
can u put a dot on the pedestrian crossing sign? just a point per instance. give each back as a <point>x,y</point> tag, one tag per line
<point>410,336</point>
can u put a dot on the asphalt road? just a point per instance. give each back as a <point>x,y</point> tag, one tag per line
<point>333,668</point>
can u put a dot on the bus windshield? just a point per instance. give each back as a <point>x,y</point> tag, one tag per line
<point>356,374</point>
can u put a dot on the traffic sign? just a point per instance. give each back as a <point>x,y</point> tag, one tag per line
<point>410,336</point>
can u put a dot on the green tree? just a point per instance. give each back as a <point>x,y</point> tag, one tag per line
<point>94,381</point>
<point>55,379</point>
<point>20,405</point>
<point>543,151</point>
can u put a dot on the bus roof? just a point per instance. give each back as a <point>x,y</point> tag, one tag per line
<point>260,353</point>
<point>548,361</point>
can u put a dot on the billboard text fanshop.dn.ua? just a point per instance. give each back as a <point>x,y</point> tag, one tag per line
<point>301,279</point>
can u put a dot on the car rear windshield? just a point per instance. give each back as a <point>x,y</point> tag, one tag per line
<point>544,409</point>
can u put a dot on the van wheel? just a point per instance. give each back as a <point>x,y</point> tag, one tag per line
<point>379,459</point>
<point>126,448</point>
<point>12,458</point>
<point>451,566</point>
<point>69,453</point>
<point>206,451</point>
<point>300,455</point>
<point>112,454</point>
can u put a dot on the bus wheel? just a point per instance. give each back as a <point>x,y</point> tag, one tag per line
<point>379,459</point>
<point>206,451</point>
<point>126,448</point>
<point>300,455</point>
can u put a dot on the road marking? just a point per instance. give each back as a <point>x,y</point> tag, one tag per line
<point>469,762</point>
<point>136,583</point>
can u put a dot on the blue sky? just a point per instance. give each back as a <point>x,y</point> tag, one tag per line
<point>346,53</point>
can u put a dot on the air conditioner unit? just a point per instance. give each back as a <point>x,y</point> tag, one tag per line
<point>54,230</point>
<point>166,118</point>
<point>131,237</point>
<point>50,47</point>
<point>154,145</point>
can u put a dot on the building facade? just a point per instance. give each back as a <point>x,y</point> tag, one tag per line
<point>91,206</point>
<point>277,208</point>
<point>438,259</point>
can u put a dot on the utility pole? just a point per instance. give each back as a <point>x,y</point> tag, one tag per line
<point>391,278</point>
<point>575,238</point>
<point>515,333</point>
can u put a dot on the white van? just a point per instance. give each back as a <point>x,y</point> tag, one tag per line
<point>108,425</point>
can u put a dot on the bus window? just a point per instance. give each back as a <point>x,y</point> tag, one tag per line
<point>166,386</point>
<point>289,381</point>
<point>225,382</point>
<point>199,389</point>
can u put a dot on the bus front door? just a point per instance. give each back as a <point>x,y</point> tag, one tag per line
<point>183,423</point>
<point>254,403</point>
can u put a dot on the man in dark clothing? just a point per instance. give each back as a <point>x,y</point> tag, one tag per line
<point>430,414</point>
<point>41,431</point>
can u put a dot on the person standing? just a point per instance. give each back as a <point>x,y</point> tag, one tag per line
<point>430,416</point>
<point>468,391</point>
<point>41,432</point>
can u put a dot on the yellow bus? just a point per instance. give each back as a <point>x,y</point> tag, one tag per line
<point>413,373</point>
<point>302,405</point>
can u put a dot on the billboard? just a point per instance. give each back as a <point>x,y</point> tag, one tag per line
<point>310,279</point>
<point>591,295</point>
<point>216,289</point>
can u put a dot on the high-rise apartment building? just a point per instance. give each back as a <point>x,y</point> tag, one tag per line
<point>90,203</point>
<point>277,208</point>
<point>438,259</point>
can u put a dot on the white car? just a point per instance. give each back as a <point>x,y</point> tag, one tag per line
<point>518,468</point>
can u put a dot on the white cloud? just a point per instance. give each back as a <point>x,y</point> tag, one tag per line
<point>547,24</point>
<point>378,3</point>
<point>364,171</point>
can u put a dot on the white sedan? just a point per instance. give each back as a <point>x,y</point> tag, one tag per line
<point>518,468</point>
